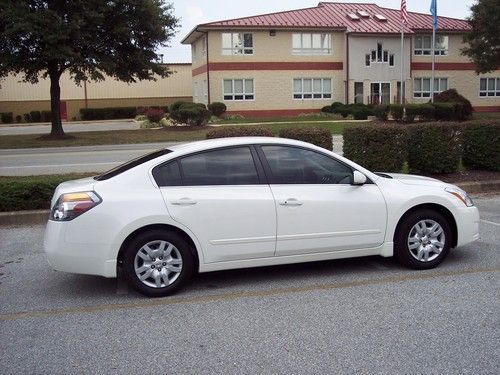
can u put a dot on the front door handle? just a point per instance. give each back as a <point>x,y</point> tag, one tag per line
<point>291,202</point>
<point>183,202</point>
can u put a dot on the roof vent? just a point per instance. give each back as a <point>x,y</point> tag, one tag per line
<point>380,18</point>
<point>353,16</point>
<point>363,13</point>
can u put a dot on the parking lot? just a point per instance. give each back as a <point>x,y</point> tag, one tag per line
<point>362,316</point>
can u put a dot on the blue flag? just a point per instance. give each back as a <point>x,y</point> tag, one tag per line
<point>434,14</point>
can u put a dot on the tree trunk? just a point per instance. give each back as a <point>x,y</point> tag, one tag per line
<point>55,105</point>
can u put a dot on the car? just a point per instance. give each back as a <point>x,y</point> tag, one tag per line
<point>248,202</point>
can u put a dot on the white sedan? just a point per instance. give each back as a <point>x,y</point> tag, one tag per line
<point>248,202</point>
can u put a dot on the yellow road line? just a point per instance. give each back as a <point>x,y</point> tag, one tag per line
<point>235,295</point>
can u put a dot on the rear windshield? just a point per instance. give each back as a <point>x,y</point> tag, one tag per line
<point>131,164</point>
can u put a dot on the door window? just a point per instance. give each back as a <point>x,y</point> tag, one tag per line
<point>293,165</point>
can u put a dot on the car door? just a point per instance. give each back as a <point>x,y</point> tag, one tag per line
<point>318,210</point>
<point>222,197</point>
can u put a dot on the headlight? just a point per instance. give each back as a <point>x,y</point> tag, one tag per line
<point>460,194</point>
<point>71,205</point>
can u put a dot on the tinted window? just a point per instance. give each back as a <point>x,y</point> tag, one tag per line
<point>292,165</point>
<point>233,166</point>
<point>168,174</point>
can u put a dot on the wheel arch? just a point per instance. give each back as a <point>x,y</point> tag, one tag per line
<point>435,207</point>
<point>165,227</point>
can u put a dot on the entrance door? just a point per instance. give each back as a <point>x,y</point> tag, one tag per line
<point>358,92</point>
<point>380,93</point>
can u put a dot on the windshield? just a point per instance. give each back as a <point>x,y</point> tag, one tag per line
<point>131,164</point>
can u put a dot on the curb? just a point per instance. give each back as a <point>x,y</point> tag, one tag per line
<point>34,216</point>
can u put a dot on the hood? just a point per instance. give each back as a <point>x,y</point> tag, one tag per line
<point>73,186</point>
<point>411,179</point>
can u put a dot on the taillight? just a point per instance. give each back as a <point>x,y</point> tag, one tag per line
<point>71,205</point>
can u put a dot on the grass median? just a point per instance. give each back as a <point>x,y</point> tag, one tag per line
<point>31,192</point>
<point>173,134</point>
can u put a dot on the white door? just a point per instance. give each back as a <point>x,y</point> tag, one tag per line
<point>222,199</point>
<point>318,209</point>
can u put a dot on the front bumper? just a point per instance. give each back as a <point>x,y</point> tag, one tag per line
<point>88,259</point>
<point>467,225</point>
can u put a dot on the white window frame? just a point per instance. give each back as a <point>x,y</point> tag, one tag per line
<point>374,58</point>
<point>485,94</point>
<point>427,94</point>
<point>301,50</point>
<point>233,94</point>
<point>204,45</point>
<point>237,45</point>
<point>323,95</point>
<point>423,51</point>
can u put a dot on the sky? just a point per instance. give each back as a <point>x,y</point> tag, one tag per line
<point>194,12</point>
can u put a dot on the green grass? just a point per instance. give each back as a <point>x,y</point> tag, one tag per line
<point>261,120</point>
<point>31,192</point>
<point>180,134</point>
<point>486,115</point>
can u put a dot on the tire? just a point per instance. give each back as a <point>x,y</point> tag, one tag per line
<point>163,259</point>
<point>422,239</point>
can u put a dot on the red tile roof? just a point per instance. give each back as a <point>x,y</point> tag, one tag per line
<point>335,16</point>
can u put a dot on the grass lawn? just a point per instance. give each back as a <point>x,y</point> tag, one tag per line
<point>180,134</point>
<point>486,115</point>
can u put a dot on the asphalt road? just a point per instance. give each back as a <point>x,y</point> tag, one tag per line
<point>37,161</point>
<point>358,316</point>
<point>70,127</point>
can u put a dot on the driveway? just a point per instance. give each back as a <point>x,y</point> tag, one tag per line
<point>357,316</point>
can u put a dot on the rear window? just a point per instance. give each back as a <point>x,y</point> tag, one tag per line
<point>131,164</point>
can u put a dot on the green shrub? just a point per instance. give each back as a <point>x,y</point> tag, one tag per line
<point>397,112</point>
<point>360,113</point>
<point>342,110</point>
<point>7,117</point>
<point>448,111</point>
<point>27,117</point>
<point>36,116</point>
<point>434,147</point>
<point>46,116</point>
<point>452,96</point>
<point>327,109</point>
<point>335,105</point>
<point>19,118</point>
<point>482,145</point>
<point>424,111</point>
<point>217,108</point>
<point>317,136</point>
<point>176,105</point>
<point>381,112</point>
<point>108,113</point>
<point>155,114</point>
<point>376,147</point>
<point>192,114</point>
<point>240,131</point>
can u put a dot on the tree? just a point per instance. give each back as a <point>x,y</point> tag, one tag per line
<point>484,38</point>
<point>87,38</point>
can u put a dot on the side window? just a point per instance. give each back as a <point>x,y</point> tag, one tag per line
<point>233,166</point>
<point>293,165</point>
<point>168,174</point>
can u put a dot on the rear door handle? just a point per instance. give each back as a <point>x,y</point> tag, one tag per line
<point>291,202</point>
<point>183,202</point>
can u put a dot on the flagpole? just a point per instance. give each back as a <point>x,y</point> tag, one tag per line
<point>433,62</point>
<point>401,90</point>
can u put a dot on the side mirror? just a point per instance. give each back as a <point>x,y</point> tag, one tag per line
<point>358,178</point>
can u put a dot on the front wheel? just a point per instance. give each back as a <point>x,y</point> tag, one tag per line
<point>158,263</point>
<point>422,240</point>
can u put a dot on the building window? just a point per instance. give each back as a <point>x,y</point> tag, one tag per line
<point>204,45</point>
<point>238,89</point>
<point>379,55</point>
<point>391,59</point>
<point>489,87</point>
<point>237,44</point>
<point>423,45</point>
<point>312,88</point>
<point>311,44</point>
<point>422,87</point>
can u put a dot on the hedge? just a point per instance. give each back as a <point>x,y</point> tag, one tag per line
<point>452,96</point>
<point>108,113</point>
<point>7,117</point>
<point>217,108</point>
<point>240,131</point>
<point>424,111</point>
<point>381,112</point>
<point>30,193</point>
<point>397,111</point>
<point>317,136</point>
<point>481,145</point>
<point>376,147</point>
<point>193,114</point>
<point>434,147</point>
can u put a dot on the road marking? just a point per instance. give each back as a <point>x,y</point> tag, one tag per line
<point>169,301</point>
<point>490,222</point>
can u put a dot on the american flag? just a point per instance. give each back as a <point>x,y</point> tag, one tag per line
<point>404,12</point>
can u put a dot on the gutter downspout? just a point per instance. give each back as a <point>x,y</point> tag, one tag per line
<point>347,68</point>
<point>208,68</point>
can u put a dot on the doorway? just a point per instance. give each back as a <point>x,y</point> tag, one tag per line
<point>380,93</point>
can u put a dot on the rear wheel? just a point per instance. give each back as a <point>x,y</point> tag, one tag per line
<point>422,240</point>
<point>158,263</point>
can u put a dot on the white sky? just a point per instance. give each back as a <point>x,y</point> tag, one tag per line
<point>194,12</point>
